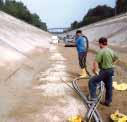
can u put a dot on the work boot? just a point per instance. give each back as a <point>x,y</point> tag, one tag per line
<point>83,73</point>
<point>105,104</point>
<point>91,99</point>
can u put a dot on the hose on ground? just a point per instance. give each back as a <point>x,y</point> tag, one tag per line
<point>92,112</point>
<point>92,107</point>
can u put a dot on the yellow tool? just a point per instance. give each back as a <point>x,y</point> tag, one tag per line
<point>118,117</point>
<point>120,87</point>
<point>75,119</point>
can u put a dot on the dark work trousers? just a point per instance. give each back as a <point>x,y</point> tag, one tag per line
<point>106,77</point>
<point>82,59</point>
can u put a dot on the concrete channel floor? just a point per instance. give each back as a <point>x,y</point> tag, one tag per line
<point>45,99</point>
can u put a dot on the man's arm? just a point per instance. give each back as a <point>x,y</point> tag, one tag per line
<point>87,42</point>
<point>95,67</point>
<point>98,60</point>
<point>115,59</point>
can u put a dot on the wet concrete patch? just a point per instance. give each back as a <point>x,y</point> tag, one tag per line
<point>46,98</point>
<point>17,98</point>
<point>22,78</point>
<point>51,86</point>
<point>54,89</point>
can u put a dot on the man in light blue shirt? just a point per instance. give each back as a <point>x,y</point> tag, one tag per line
<point>82,48</point>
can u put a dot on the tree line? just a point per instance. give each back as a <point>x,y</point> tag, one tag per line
<point>101,12</point>
<point>19,10</point>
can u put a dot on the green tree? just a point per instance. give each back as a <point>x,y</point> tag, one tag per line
<point>19,10</point>
<point>35,20</point>
<point>94,15</point>
<point>98,13</point>
<point>121,6</point>
<point>1,4</point>
<point>74,25</point>
<point>102,11</point>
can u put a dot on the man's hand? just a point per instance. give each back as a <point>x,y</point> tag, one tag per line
<point>115,62</point>
<point>95,72</point>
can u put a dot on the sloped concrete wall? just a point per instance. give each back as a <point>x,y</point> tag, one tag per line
<point>114,28</point>
<point>21,46</point>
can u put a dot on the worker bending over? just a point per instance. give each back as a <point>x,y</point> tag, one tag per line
<point>104,61</point>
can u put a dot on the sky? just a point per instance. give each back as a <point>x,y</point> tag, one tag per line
<point>61,13</point>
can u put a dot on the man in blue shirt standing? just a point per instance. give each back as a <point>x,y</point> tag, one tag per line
<point>82,48</point>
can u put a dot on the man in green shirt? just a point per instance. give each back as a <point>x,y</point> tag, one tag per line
<point>104,61</point>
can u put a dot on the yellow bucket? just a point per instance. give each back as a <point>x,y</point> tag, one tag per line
<point>75,119</point>
<point>118,117</point>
